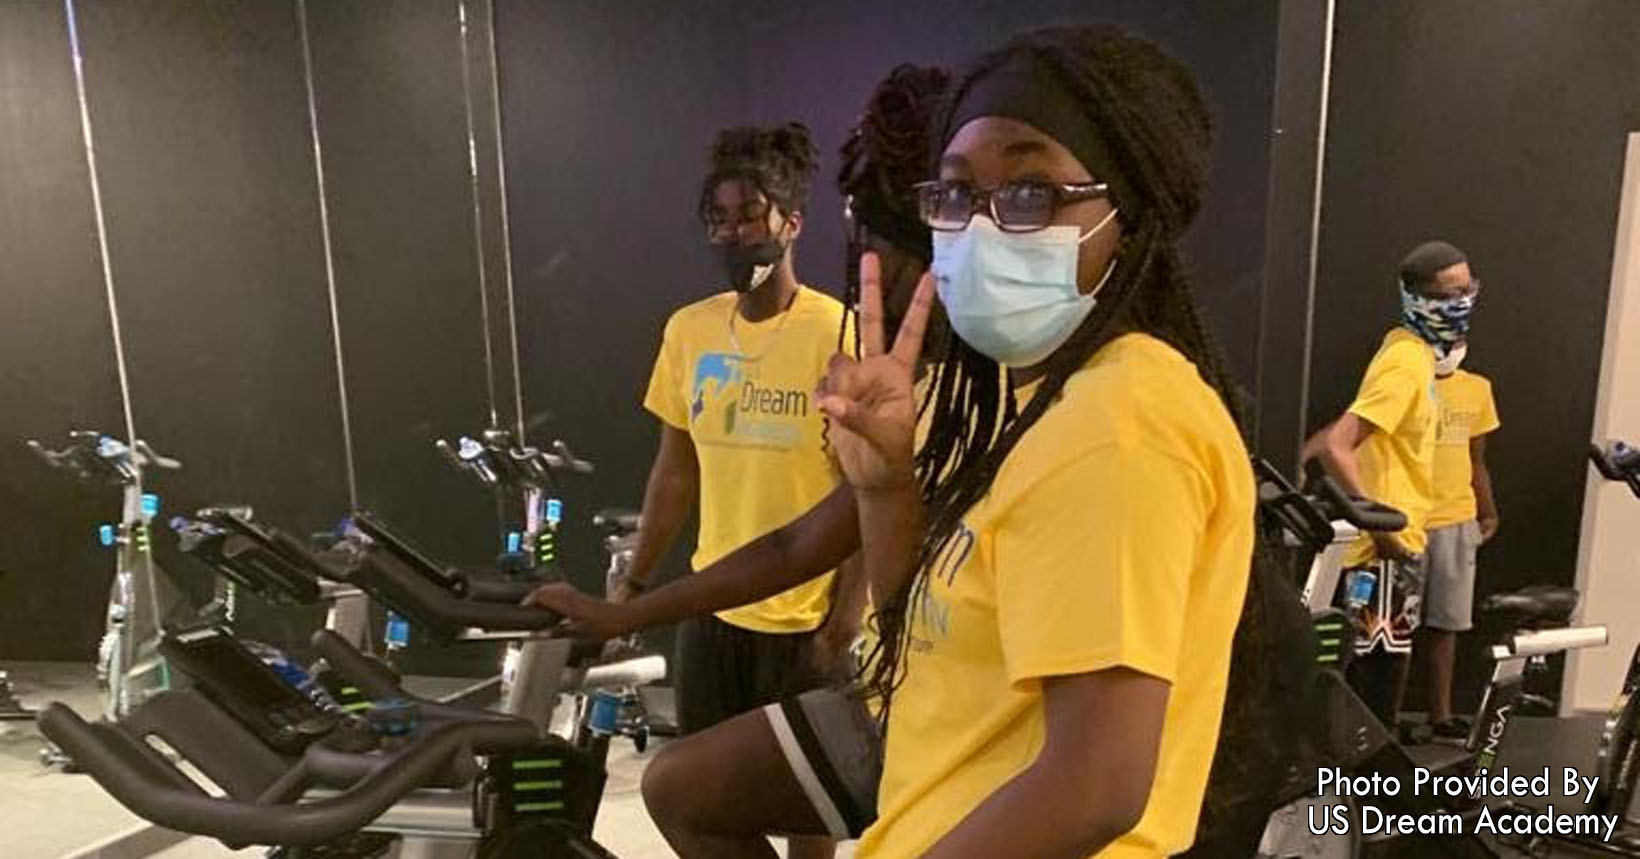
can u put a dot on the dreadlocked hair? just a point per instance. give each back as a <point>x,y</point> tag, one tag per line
<point>779,161</point>
<point>1158,134</point>
<point>885,155</point>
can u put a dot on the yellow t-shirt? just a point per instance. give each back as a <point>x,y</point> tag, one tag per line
<point>1119,532</point>
<point>747,401</point>
<point>1397,463</point>
<point>1467,412</point>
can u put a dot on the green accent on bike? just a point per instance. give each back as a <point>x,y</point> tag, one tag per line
<point>539,806</point>
<point>550,764</point>
<point>538,785</point>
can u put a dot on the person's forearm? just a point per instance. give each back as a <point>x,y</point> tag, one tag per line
<point>1313,446</point>
<point>848,596</point>
<point>891,533</point>
<point>1337,456</point>
<point>667,500</point>
<point>1043,813</point>
<point>806,548</point>
<point>1486,506</point>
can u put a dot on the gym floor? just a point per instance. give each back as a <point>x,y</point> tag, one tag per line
<point>46,814</point>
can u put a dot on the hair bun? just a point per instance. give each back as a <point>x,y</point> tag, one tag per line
<point>780,160</point>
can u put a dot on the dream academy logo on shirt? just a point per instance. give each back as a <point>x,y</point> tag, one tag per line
<point>1454,426</point>
<point>933,609</point>
<point>715,372</point>
<point>751,414</point>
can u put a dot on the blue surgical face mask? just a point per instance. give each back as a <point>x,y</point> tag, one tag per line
<point>1441,322</point>
<point>1013,296</point>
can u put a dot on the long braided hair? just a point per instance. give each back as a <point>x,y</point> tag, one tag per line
<point>885,155</point>
<point>1158,134</point>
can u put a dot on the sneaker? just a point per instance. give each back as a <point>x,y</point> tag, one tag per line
<point>1455,728</point>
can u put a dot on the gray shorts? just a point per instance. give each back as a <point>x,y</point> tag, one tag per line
<point>834,749</point>
<point>1449,576</point>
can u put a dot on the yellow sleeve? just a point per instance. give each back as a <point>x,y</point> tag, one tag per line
<point>665,397</point>
<point>1094,565</point>
<point>1487,421</point>
<point>1388,391</point>
<point>846,324</point>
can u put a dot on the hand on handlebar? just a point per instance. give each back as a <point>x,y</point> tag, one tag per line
<point>1390,548</point>
<point>583,616</point>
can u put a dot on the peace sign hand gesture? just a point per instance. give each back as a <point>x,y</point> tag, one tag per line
<point>870,402</point>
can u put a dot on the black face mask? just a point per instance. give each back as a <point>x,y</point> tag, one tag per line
<point>750,266</point>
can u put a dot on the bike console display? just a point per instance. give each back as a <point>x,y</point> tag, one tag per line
<point>248,689</point>
<point>255,556</point>
<point>401,548</point>
<point>442,601</point>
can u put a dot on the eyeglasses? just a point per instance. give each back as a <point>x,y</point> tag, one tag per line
<point>1469,290</point>
<point>752,220</point>
<point>1015,207</point>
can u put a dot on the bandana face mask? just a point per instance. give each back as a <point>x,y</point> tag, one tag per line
<point>1441,322</point>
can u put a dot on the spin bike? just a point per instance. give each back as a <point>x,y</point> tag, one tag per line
<point>11,709</point>
<point>1349,737</point>
<point>526,481</point>
<point>142,600</point>
<point>247,556</point>
<point>1618,757</point>
<point>442,779</point>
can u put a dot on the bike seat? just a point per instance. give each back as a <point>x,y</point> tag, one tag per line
<point>1534,604</point>
<point>617,521</point>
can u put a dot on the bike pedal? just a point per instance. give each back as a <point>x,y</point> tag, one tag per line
<point>1536,705</point>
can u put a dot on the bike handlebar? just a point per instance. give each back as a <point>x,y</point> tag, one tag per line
<point>561,458</point>
<point>1363,513</point>
<point>97,458</point>
<point>499,460</point>
<point>149,458</point>
<point>1618,462</point>
<point>150,786</point>
<point>1308,516</point>
<point>443,601</point>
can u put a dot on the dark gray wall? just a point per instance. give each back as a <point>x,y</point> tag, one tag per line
<point>199,113</point>
<point>57,365</point>
<point>1281,374</point>
<point>393,126</point>
<point>201,121</point>
<point>1501,127</point>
